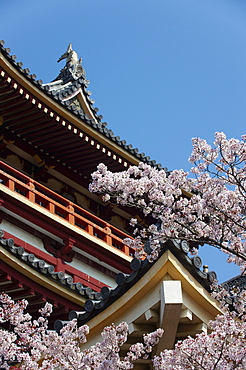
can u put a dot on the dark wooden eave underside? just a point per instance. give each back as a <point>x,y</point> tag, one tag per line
<point>38,130</point>
<point>19,286</point>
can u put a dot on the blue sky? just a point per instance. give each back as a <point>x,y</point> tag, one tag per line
<point>161,71</point>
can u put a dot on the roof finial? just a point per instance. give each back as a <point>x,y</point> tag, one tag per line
<point>73,63</point>
<point>205,268</point>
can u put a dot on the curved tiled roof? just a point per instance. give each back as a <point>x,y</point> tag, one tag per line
<point>47,269</point>
<point>82,83</point>
<point>238,283</point>
<point>93,307</point>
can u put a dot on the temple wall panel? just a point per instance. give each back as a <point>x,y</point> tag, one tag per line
<point>22,234</point>
<point>89,270</point>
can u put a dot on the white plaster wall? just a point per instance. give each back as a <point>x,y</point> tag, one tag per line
<point>22,234</point>
<point>76,263</point>
<point>81,266</point>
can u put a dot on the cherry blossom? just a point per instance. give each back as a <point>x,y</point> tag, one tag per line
<point>31,346</point>
<point>224,348</point>
<point>208,208</point>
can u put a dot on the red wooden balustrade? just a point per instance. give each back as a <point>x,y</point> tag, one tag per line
<point>62,207</point>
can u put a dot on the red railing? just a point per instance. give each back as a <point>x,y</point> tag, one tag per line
<point>75,215</point>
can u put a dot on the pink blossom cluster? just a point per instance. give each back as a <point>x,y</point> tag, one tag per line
<point>224,348</point>
<point>209,208</point>
<point>35,347</point>
<point>29,343</point>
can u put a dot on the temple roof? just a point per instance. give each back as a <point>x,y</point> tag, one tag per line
<point>67,90</point>
<point>235,283</point>
<point>46,269</point>
<point>139,268</point>
<point>24,275</point>
<point>70,86</point>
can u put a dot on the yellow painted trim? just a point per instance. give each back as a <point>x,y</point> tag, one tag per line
<point>40,279</point>
<point>64,223</point>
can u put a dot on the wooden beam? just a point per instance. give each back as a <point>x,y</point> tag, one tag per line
<point>139,329</point>
<point>11,104</point>
<point>151,316</point>
<point>24,121</point>
<point>69,153</point>
<point>9,97</point>
<point>55,136</point>
<point>185,315</point>
<point>171,304</point>
<point>33,125</point>
<point>56,148</point>
<point>20,112</point>
<point>191,329</point>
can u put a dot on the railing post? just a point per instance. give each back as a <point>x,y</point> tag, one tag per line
<point>11,185</point>
<point>51,207</point>
<point>90,229</point>
<point>31,194</point>
<point>126,250</point>
<point>70,217</point>
<point>108,237</point>
<point>108,240</point>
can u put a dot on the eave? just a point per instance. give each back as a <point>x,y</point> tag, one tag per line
<point>34,276</point>
<point>20,281</point>
<point>44,105</point>
<point>145,307</point>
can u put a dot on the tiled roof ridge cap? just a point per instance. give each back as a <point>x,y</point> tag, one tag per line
<point>100,128</point>
<point>47,269</point>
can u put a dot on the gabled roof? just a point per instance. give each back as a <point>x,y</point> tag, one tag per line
<point>55,115</point>
<point>163,295</point>
<point>70,86</point>
<point>139,268</point>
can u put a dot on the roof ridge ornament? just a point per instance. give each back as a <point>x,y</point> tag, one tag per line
<point>73,65</point>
